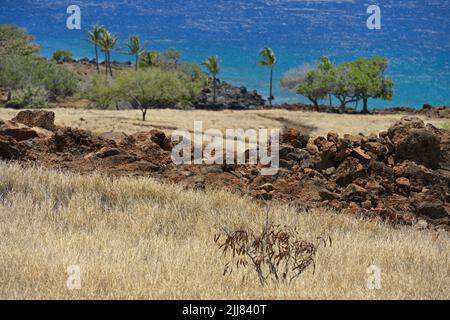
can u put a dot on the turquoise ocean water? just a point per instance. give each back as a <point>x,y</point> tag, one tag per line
<point>415,36</point>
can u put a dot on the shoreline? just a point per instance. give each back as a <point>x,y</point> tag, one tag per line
<point>439,111</point>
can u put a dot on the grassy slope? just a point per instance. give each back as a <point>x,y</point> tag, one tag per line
<point>135,238</point>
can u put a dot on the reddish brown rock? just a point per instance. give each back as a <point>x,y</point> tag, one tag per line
<point>36,118</point>
<point>17,131</point>
<point>354,193</point>
<point>8,149</point>
<point>295,138</point>
<point>349,170</point>
<point>416,142</point>
<point>328,195</point>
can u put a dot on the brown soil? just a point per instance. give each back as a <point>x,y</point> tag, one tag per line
<point>401,175</point>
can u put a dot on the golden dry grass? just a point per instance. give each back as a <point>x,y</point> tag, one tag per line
<point>99,121</point>
<point>134,238</point>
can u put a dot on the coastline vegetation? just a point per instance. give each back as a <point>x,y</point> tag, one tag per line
<point>213,66</point>
<point>349,82</point>
<point>61,56</point>
<point>145,89</point>
<point>269,60</point>
<point>28,78</point>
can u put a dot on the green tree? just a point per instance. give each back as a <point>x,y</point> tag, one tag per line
<point>194,71</point>
<point>269,60</point>
<point>144,89</point>
<point>314,83</point>
<point>16,41</point>
<point>21,72</point>
<point>135,48</point>
<point>369,80</point>
<point>61,56</point>
<point>107,43</point>
<point>344,88</point>
<point>95,36</point>
<point>150,59</point>
<point>212,64</point>
<point>171,56</point>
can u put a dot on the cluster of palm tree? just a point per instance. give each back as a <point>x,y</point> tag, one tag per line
<point>104,40</point>
<point>101,38</point>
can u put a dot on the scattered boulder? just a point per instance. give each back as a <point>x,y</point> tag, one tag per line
<point>8,149</point>
<point>295,138</point>
<point>349,170</point>
<point>106,152</point>
<point>17,131</point>
<point>417,142</point>
<point>354,193</point>
<point>326,194</point>
<point>36,118</point>
<point>161,139</point>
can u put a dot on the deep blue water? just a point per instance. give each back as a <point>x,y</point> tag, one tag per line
<point>415,36</point>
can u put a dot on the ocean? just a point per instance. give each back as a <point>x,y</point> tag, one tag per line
<point>414,36</point>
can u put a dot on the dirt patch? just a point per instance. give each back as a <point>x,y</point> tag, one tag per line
<point>401,175</point>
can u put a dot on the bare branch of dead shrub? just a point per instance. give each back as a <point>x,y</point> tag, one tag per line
<point>276,252</point>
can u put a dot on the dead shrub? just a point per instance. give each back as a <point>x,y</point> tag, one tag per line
<point>276,252</point>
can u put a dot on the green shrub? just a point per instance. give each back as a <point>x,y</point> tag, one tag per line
<point>62,56</point>
<point>30,97</point>
<point>101,93</point>
<point>21,72</point>
<point>15,40</point>
<point>144,89</point>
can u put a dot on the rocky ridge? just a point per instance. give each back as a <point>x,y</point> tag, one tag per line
<point>401,175</point>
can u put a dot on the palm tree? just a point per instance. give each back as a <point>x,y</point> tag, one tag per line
<point>269,60</point>
<point>213,66</point>
<point>107,42</point>
<point>135,48</point>
<point>95,36</point>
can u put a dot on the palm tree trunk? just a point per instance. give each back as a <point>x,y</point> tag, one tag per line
<point>144,113</point>
<point>96,59</point>
<point>106,63</point>
<point>214,91</point>
<point>271,87</point>
<point>137,60</point>
<point>109,63</point>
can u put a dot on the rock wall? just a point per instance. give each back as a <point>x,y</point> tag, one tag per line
<point>401,175</point>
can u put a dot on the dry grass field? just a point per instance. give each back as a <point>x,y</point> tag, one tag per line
<point>99,121</point>
<point>134,238</point>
